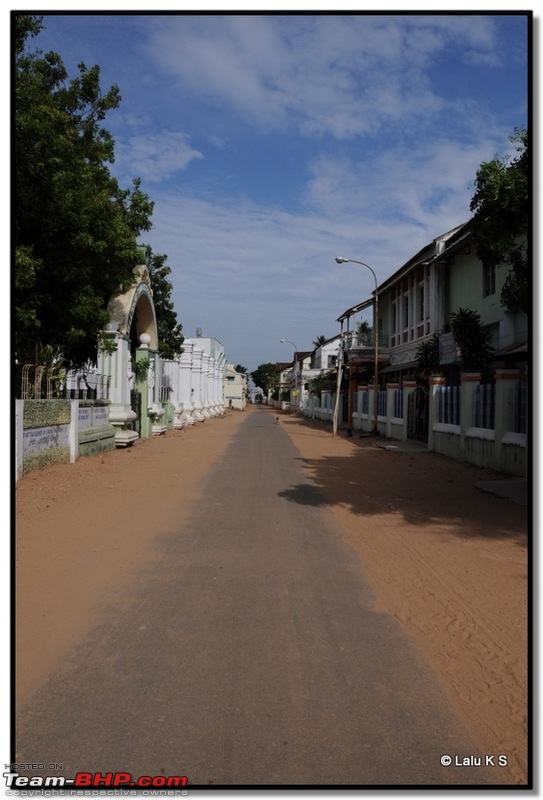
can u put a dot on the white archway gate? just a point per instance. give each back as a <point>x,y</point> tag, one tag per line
<point>147,393</point>
<point>131,329</point>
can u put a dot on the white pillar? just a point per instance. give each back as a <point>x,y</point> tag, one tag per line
<point>185,385</point>
<point>118,366</point>
<point>196,376</point>
<point>206,386</point>
<point>171,379</point>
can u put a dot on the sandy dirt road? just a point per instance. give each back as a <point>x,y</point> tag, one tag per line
<point>444,559</point>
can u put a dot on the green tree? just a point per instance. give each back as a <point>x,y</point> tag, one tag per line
<point>427,357</point>
<point>319,341</point>
<point>473,340</point>
<point>501,221</point>
<point>265,376</point>
<point>326,381</point>
<point>241,369</point>
<point>170,337</point>
<point>75,228</point>
<point>364,332</point>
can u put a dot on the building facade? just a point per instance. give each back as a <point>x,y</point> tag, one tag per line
<point>235,388</point>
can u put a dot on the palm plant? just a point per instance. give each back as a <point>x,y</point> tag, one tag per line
<point>473,340</point>
<point>427,357</point>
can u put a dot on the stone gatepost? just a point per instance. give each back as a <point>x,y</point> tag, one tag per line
<point>115,362</point>
<point>220,383</point>
<point>147,384</point>
<point>468,383</point>
<point>205,387</point>
<point>213,403</point>
<point>185,387</point>
<point>215,389</point>
<point>144,384</point>
<point>170,387</point>
<point>326,404</point>
<point>408,388</point>
<point>390,388</point>
<point>364,417</point>
<point>505,384</point>
<point>435,382</point>
<point>196,375</point>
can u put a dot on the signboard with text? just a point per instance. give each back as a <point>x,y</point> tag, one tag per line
<point>449,352</point>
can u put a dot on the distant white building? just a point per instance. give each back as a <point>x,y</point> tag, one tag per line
<point>296,376</point>
<point>258,395</point>
<point>235,388</point>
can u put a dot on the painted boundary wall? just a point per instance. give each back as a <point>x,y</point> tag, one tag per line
<point>59,431</point>
<point>497,448</point>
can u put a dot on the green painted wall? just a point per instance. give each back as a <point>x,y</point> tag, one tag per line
<point>55,455</point>
<point>43,413</point>
<point>465,289</point>
<point>45,432</point>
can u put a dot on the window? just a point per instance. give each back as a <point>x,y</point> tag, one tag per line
<point>489,280</point>
<point>405,311</point>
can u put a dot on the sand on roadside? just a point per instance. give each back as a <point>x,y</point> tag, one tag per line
<point>449,561</point>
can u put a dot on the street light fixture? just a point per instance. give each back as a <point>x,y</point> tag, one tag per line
<point>341,260</point>
<point>287,341</point>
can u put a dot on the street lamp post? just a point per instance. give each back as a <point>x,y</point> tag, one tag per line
<point>341,260</point>
<point>287,341</point>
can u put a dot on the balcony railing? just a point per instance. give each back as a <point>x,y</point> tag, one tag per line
<point>364,341</point>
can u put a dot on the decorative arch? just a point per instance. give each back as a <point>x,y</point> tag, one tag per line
<point>133,311</point>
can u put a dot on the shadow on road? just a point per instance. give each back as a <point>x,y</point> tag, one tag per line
<point>425,489</point>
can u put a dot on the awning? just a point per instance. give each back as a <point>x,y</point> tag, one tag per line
<point>355,309</point>
<point>512,350</point>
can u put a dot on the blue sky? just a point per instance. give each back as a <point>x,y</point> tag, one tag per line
<point>270,143</point>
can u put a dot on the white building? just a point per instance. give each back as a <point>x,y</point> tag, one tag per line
<point>296,377</point>
<point>235,388</point>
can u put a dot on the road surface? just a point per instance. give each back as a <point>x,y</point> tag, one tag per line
<point>250,654</point>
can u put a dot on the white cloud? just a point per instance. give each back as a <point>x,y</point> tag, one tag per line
<point>400,182</point>
<point>251,274</point>
<point>154,157</point>
<point>342,75</point>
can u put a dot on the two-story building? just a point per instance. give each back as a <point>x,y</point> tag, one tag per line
<point>296,377</point>
<point>235,388</point>
<point>414,305</point>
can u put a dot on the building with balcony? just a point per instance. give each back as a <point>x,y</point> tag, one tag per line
<point>480,418</point>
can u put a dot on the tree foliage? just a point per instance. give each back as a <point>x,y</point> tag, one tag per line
<point>502,219</point>
<point>327,380</point>
<point>427,357</point>
<point>265,376</point>
<point>76,229</point>
<point>170,337</point>
<point>364,332</point>
<point>473,340</point>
